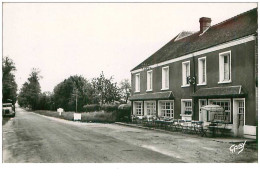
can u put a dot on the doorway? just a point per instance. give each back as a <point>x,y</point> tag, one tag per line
<point>238,116</point>
<point>202,102</point>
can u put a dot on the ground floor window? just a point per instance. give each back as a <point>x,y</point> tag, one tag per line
<point>166,108</point>
<point>138,108</point>
<point>226,105</point>
<point>150,108</point>
<point>186,106</point>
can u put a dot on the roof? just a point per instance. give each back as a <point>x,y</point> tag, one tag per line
<point>232,91</point>
<point>236,27</point>
<point>152,96</point>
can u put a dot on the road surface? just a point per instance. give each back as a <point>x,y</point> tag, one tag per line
<point>31,137</point>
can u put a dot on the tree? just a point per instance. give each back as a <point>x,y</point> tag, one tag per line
<point>71,93</point>
<point>105,91</point>
<point>46,101</point>
<point>30,91</point>
<point>125,88</point>
<point>9,86</point>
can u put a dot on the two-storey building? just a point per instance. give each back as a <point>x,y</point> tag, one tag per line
<point>216,65</point>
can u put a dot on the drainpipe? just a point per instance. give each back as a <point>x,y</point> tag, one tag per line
<point>193,86</point>
<point>194,74</point>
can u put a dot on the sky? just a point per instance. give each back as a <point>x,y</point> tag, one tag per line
<point>64,39</point>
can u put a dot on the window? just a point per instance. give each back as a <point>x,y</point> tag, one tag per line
<point>150,108</point>
<point>165,78</point>
<point>226,105</point>
<point>225,67</point>
<point>138,108</point>
<point>149,80</point>
<point>202,70</point>
<point>186,106</point>
<point>241,110</point>
<point>166,109</point>
<point>185,73</point>
<point>137,82</point>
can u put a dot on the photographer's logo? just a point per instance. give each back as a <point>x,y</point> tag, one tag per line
<point>237,148</point>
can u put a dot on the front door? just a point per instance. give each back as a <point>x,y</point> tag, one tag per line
<point>202,102</point>
<point>239,117</point>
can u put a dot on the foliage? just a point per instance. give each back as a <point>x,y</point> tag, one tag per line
<point>104,90</point>
<point>9,86</point>
<point>125,89</point>
<point>109,107</point>
<point>46,101</point>
<point>30,92</point>
<point>75,88</point>
<point>98,117</point>
<point>124,113</point>
<point>91,107</point>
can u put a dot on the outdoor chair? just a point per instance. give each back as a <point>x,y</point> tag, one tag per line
<point>140,119</point>
<point>150,120</point>
<point>186,126</point>
<point>168,123</point>
<point>181,124</point>
<point>202,130</point>
<point>134,119</point>
<point>193,127</point>
<point>175,125</point>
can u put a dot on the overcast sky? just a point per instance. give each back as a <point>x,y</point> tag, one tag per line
<point>87,38</point>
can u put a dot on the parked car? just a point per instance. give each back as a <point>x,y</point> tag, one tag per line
<point>8,109</point>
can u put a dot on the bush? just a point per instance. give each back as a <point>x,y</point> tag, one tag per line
<point>124,113</point>
<point>91,107</point>
<point>98,117</point>
<point>109,107</point>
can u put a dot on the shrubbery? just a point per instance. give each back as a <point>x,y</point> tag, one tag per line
<point>124,113</point>
<point>108,113</point>
<point>91,107</point>
<point>109,107</point>
<point>99,117</point>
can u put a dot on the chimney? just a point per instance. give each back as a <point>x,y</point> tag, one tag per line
<point>205,22</point>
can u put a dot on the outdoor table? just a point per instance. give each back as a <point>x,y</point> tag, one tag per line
<point>214,126</point>
<point>175,124</point>
<point>186,125</point>
<point>158,122</point>
<point>168,123</point>
<point>194,125</point>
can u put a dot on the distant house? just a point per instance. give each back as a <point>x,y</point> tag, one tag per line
<point>216,65</point>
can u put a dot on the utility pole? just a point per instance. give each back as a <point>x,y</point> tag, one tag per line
<point>76,100</point>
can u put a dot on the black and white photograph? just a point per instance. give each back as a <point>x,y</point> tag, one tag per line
<point>130,82</point>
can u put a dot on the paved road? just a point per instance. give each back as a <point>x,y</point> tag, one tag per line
<point>30,137</point>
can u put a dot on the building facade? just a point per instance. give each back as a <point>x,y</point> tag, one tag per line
<point>216,65</point>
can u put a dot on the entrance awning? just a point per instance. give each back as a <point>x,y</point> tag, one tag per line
<point>152,96</point>
<point>213,108</point>
<point>228,91</point>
